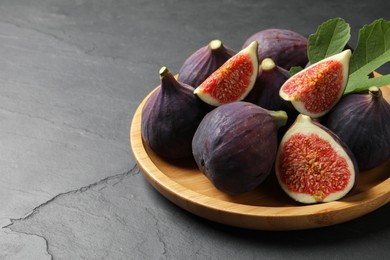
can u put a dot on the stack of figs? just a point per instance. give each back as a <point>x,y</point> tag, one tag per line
<point>314,138</point>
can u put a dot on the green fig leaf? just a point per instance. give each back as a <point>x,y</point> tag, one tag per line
<point>361,84</point>
<point>372,51</point>
<point>329,39</point>
<point>294,70</point>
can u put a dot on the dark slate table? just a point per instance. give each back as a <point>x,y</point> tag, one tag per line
<point>72,73</point>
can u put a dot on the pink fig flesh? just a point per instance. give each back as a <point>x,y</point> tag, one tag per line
<point>316,89</point>
<point>313,165</point>
<point>233,80</point>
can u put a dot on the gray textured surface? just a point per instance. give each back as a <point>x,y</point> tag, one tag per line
<point>72,73</point>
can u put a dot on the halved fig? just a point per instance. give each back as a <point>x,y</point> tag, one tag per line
<point>233,80</point>
<point>313,165</point>
<point>316,89</point>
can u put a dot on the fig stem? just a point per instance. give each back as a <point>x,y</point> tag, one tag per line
<point>163,71</point>
<point>268,64</point>
<point>375,92</point>
<point>215,44</point>
<point>280,117</point>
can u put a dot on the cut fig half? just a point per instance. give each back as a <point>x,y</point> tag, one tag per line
<point>313,165</point>
<point>233,80</point>
<point>316,89</point>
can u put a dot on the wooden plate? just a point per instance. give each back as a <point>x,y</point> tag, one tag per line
<point>266,208</point>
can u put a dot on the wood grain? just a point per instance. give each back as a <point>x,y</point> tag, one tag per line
<point>267,207</point>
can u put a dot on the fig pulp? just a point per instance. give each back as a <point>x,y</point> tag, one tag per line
<point>362,121</point>
<point>286,48</point>
<point>203,62</point>
<point>233,80</point>
<point>235,145</point>
<point>170,118</point>
<point>313,165</point>
<point>316,89</point>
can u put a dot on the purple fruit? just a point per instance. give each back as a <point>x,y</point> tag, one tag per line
<point>235,145</point>
<point>265,93</point>
<point>170,118</point>
<point>286,48</point>
<point>362,121</point>
<point>204,62</point>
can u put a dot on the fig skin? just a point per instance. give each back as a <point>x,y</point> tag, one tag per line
<point>235,145</point>
<point>170,118</point>
<point>265,93</point>
<point>362,121</point>
<point>310,168</point>
<point>204,62</point>
<point>285,47</point>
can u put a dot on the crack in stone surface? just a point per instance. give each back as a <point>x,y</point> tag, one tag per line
<point>159,233</point>
<point>44,239</point>
<point>133,171</point>
<point>118,178</point>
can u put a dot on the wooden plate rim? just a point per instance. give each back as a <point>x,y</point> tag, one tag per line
<point>253,217</point>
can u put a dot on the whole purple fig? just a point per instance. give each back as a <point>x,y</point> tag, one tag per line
<point>170,118</point>
<point>204,62</point>
<point>286,48</point>
<point>235,145</point>
<point>265,92</point>
<point>362,121</point>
